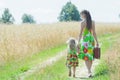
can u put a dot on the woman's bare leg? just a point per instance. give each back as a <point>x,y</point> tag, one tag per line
<point>88,65</point>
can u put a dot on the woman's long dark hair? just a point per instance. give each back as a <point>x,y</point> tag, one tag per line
<point>88,19</point>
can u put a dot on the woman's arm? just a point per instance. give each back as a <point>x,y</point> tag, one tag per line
<point>94,33</point>
<point>80,35</point>
<point>81,31</point>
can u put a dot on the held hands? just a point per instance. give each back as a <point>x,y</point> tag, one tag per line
<point>78,46</point>
<point>78,49</point>
<point>97,45</point>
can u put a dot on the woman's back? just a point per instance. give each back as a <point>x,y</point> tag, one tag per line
<point>86,30</point>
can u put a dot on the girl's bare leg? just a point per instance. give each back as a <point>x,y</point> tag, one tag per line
<point>74,70</point>
<point>69,71</point>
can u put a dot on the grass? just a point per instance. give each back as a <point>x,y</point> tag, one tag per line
<point>51,74</point>
<point>12,69</point>
<point>109,67</point>
<point>58,71</point>
<point>101,72</point>
<point>24,46</point>
<point>112,58</point>
<point>31,39</point>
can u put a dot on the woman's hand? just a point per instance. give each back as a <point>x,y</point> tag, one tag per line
<point>97,45</point>
<point>78,49</point>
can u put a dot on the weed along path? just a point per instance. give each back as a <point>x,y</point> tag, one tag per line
<point>60,59</point>
<point>44,64</point>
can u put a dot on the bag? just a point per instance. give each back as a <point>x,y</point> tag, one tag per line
<point>96,52</point>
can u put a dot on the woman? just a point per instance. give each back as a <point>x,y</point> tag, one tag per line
<point>86,40</point>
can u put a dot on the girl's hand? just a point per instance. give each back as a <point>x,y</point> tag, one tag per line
<point>78,46</point>
<point>78,49</point>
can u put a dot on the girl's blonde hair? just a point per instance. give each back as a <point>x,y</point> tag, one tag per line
<point>72,43</point>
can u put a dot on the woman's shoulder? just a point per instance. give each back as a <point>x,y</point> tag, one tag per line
<point>83,23</point>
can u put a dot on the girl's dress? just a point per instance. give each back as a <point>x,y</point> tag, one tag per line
<point>72,58</point>
<point>86,45</point>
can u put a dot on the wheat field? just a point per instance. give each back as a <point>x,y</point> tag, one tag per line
<point>112,57</point>
<point>19,41</point>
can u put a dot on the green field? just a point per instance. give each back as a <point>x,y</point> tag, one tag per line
<point>26,51</point>
<point>58,71</point>
<point>14,68</point>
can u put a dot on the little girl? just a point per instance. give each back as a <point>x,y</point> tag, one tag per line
<point>72,58</point>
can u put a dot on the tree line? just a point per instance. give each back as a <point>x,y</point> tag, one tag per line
<point>69,12</point>
<point>7,18</point>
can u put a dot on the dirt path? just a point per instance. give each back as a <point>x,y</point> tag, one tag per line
<point>80,72</point>
<point>42,65</point>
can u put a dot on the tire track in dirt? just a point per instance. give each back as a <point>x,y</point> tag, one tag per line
<point>49,61</point>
